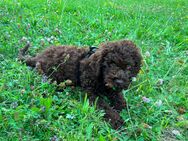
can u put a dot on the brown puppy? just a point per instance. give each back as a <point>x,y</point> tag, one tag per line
<point>105,72</point>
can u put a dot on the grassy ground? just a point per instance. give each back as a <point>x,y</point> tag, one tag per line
<point>31,109</point>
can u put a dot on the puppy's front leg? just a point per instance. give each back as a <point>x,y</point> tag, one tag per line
<point>111,115</point>
<point>117,100</point>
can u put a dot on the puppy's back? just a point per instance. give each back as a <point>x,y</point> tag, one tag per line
<point>58,62</point>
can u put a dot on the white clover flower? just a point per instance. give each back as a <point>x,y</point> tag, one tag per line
<point>43,108</point>
<point>28,42</point>
<point>48,39</point>
<point>23,39</point>
<point>52,37</point>
<point>14,105</point>
<point>57,30</point>
<point>54,138</point>
<point>176,132</point>
<point>159,103</point>
<point>146,100</point>
<point>69,116</point>
<point>160,82</point>
<point>28,25</point>
<point>147,54</point>
<point>42,41</point>
<point>44,78</point>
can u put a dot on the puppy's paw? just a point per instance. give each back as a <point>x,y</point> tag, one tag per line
<point>117,123</point>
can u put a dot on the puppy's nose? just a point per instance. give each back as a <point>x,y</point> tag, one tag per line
<point>119,81</point>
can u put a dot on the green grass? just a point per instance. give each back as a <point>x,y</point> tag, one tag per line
<point>31,109</point>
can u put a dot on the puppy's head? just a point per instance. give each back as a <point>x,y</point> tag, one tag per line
<point>121,62</point>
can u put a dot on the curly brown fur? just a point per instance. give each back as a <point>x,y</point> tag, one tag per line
<point>105,73</point>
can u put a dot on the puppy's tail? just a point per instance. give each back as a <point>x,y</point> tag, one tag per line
<point>23,52</point>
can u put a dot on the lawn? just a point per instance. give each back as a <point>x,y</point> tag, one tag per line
<point>31,109</point>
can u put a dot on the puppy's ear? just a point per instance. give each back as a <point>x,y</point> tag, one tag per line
<point>91,69</point>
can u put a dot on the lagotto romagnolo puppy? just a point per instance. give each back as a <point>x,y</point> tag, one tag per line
<point>105,71</point>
